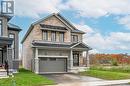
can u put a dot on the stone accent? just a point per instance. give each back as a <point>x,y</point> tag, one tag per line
<point>53,21</point>
<point>9,58</point>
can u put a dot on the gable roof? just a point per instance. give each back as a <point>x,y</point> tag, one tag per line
<point>58,16</point>
<point>81,45</point>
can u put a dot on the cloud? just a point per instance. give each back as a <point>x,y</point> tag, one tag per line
<point>125,21</point>
<point>33,8</point>
<point>99,42</point>
<point>96,8</point>
<point>94,51</point>
<point>114,41</point>
<point>84,28</point>
<point>102,8</point>
<point>85,8</point>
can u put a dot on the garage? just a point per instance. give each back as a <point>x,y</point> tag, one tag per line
<point>52,65</point>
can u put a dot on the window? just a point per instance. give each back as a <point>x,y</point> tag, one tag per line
<point>13,44</point>
<point>45,35</point>
<point>0,27</point>
<point>61,37</point>
<point>74,38</point>
<point>53,36</point>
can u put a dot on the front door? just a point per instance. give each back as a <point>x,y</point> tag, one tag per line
<point>76,59</point>
<point>1,57</point>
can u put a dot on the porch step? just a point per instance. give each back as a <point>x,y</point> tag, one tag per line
<point>3,73</point>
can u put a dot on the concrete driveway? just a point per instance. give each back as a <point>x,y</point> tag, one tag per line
<point>77,80</point>
<point>71,78</point>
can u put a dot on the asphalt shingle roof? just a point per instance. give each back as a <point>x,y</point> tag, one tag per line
<point>53,27</point>
<point>50,44</point>
<point>77,31</point>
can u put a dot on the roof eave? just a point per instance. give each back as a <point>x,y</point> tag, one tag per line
<point>79,32</point>
<point>27,33</point>
<point>15,29</point>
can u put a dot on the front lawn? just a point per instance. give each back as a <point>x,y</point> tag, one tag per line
<point>26,78</point>
<point>123,69</point>
<point>108,75</point>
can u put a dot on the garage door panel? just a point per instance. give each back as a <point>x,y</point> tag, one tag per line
<point>58,65</point>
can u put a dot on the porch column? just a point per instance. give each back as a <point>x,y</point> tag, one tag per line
<point>9,58</point>
<point>71,58</point>
<point>87,59</point>
<point>36,61</point>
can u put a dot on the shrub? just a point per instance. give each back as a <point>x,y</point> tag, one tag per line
<point>114,63</point>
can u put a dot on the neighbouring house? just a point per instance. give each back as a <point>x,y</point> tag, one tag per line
<point>54,45</point>
<point>9,46</point>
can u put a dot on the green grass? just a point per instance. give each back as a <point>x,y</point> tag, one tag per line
<point>108,75</point>
<point>124,69</point>
<point>26,78</point>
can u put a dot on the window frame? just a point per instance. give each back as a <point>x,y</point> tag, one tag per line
<point>74,38</point>
<point>45,35</point>
<point>61,36</point>
<point>53,35</point>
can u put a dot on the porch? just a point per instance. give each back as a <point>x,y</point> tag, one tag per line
<point>60,58</point>
<point>78,60</point>
<point>5,56</point>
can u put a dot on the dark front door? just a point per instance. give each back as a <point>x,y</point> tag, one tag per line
<point>1,57</point>
<point>76,59</point>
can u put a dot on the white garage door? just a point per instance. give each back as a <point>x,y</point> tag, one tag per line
<point>52,65</point>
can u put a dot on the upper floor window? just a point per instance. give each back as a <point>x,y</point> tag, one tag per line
<point>74,38</point>
<point>0,27</point>
<point>45,35</point>
<point>53,36</point>
<point>61,37</point>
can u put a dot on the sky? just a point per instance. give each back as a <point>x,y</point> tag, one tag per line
<point>105,22</point>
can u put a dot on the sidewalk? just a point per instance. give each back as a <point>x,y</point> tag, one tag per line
<point>95,83</point>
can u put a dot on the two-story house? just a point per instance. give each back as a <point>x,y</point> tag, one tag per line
<point>9,46</point>
<point>54,45</point>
